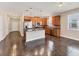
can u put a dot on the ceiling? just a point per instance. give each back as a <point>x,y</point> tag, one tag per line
<point>46,8</point>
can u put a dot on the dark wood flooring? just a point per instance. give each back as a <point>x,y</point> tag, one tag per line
<point>14,45</point>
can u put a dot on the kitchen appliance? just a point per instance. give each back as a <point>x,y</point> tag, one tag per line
<point>27,24</point>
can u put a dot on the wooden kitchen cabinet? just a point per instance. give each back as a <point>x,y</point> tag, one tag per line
<point>39,20</point>
<point>58,32</point>
<point>44,21</point>
<point>47,30</point>
<point>56,20</point>
<point>26,18</point>
<point>56,24</point>
<point>34,20</point>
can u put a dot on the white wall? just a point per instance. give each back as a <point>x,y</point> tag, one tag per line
<point>1,28</point>
<point>4,26</point>
<point>22,25</point>
<point>73,34</point>
<point>5,23</point>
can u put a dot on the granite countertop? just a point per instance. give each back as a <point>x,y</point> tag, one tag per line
<point>34,29</point>
<point>55,27</point>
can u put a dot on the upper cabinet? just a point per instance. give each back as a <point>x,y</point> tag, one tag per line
<point>27,18</point>
<point>34,20</point>
<point>39,20</point>
<point>56,20</point>
<point>42,21</point>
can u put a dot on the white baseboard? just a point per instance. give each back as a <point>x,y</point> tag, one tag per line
<point>73,38</point>
<point>4,37</point>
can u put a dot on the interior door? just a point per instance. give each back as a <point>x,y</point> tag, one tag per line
<point>14,25</point>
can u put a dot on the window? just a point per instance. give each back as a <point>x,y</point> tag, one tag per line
<point>73,21</point>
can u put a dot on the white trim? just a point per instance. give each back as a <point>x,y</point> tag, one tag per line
<point>70,15</point>
<point>4,37</point>
<point>73,38</point>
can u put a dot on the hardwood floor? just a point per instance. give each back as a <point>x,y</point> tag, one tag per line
<point>13,45</point>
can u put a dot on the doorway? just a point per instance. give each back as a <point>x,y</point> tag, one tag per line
<point>14,24</point>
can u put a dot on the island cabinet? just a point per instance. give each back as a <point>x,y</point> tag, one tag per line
<point>36,34</point>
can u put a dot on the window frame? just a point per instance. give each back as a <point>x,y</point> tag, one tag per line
<point>71,20</point>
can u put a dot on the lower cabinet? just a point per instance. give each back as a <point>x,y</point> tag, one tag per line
<point>56,32</point>
<point>52,31</point>
<point>47,30</point>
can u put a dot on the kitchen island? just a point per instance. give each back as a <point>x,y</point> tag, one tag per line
<point>34,34</point>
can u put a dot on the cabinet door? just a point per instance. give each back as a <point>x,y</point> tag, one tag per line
<point>34,20</point>
<point>39,20</point>
<point>52,31</point>
<point>56,23</point>
<point>44,21</point>
<point>55,32</point>
<point>26,18</point>
<point>58,32</point>
<point>47,30</point>
<point>56,20</point>
<point>53,20</point>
